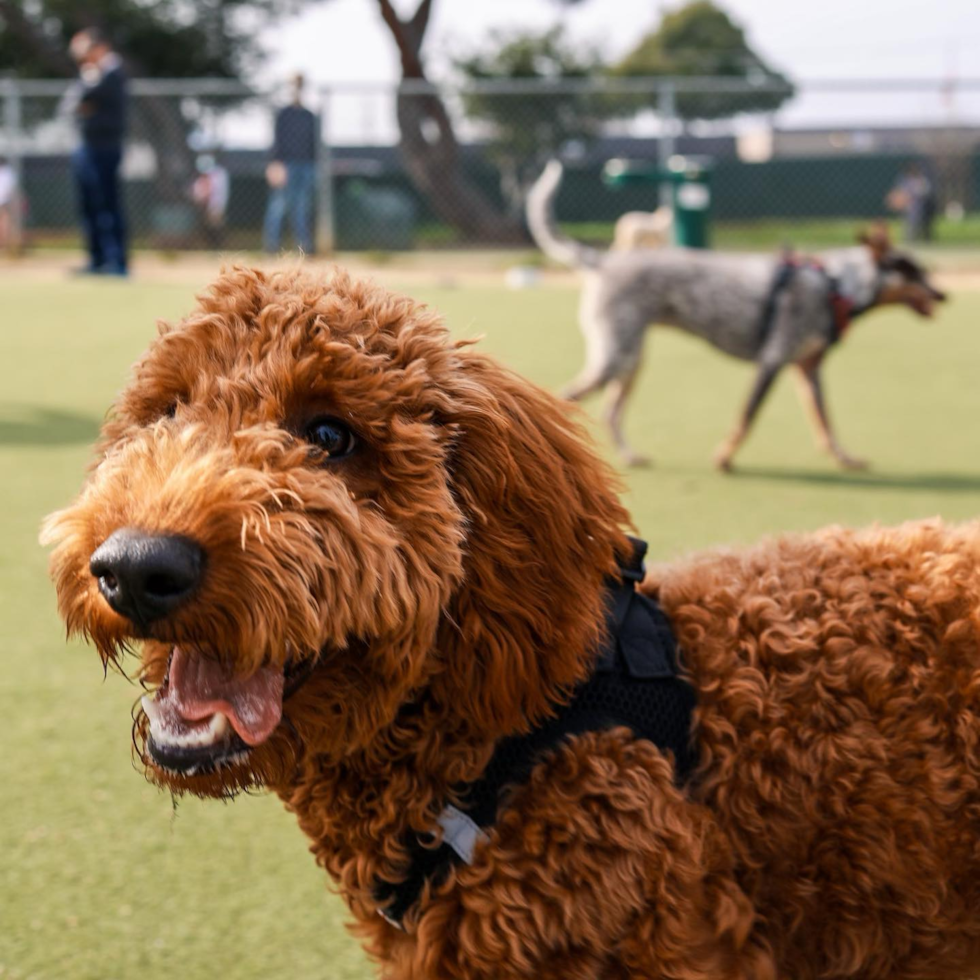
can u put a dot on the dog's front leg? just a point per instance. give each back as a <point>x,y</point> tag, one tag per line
<point>763,382</point>
<point>599,869</point>
<point>811,392</point>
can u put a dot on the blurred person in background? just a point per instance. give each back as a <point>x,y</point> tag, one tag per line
<point>210,191</point>
<point>9,201</point>
<point>98,101</point>
<point>291,173</point>
<point>914,196</point>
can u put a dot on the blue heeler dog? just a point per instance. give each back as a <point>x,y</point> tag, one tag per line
<point>773,310</point>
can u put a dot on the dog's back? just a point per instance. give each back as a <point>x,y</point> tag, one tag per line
<point>716,296</point>
<point>837,729</point>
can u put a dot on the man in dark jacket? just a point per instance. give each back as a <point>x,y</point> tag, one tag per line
<point>100,107</point>
<point>291,173</point>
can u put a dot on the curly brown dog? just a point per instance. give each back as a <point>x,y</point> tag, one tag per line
<point>355,555</point>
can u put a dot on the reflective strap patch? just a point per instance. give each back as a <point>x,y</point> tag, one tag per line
<point>390,920</point>
<point>460,832</point>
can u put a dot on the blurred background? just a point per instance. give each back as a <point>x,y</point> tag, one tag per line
<point>433,120</point>
<point>405,152</point>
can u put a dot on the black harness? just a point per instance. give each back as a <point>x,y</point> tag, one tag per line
<point>841,308</point>
<point>635,683</point>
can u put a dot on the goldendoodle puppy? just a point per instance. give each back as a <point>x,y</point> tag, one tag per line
<point>364,566</point>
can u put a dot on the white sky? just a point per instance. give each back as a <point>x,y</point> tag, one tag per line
<point>342,41</point>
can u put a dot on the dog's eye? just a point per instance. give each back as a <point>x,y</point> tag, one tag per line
<point>331,435</point>
<point>170,411</point>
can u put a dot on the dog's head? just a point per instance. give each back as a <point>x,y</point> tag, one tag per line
<point>901,277</point>
<point>313,515</point>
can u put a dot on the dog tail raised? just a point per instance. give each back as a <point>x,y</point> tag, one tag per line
<point>541,222</point>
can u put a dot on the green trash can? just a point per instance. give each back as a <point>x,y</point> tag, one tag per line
<point>689,179</point>
<point>691,185</point>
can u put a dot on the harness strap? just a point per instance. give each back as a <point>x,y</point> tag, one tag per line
<point>785,272</point>
<point>843,309</point>
<point>635,683</point>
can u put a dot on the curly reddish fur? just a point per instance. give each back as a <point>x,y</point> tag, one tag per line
<point>446,585</point>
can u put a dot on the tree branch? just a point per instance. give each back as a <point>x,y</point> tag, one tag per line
<point>390,17</point>
<point>408,36</point>
<point>433,163</point>
<point>419,22</point>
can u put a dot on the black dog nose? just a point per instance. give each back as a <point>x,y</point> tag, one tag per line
<point>146,576</point>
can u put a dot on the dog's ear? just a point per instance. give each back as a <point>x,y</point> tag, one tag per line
<point>878,239</point>
<point>544,528</point>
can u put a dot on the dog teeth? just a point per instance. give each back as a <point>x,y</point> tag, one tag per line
<point>166,730</point>
<point>150,709</point>
<point>219,726</point>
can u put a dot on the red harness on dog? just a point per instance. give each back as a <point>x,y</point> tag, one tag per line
<point>843,309</point>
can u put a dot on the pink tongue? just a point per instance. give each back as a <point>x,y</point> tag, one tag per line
<point>199,688</point>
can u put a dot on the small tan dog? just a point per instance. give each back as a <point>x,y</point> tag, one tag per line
<point>643,229</point>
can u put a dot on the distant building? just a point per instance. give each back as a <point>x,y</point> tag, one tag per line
<point>904,140</point>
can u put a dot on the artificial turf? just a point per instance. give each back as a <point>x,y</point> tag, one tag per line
<point>100,875</point>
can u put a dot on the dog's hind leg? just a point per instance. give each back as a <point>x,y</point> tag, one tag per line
<point>588,380</point>
<point>763,382</point>
<point>602,345</point>
<point>619,389</point>
<point>613,343</point>
<point>811,393</point>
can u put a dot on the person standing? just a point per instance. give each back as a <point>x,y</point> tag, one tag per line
<point>9,204</point>
<point>211,190</point>
<point>291,173</point>
<point>100,104</point>
<point>915,196</point>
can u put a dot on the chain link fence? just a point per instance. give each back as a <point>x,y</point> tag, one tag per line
<point>422,166</point>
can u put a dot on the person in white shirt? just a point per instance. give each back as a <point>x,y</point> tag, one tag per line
<point>210,191</point>
<point>9,200</point>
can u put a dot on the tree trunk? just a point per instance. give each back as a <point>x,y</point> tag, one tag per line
<point>158,120</point>
<point>429,146</point>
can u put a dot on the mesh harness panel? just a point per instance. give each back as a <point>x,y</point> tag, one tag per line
<point>841,309</point>
<point>635,683</point>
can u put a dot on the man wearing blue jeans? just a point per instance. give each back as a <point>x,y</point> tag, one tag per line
<point>291,174</point>
<point>100,107</point>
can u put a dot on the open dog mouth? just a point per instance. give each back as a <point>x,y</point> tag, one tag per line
<point>924,307</point>
<point>204,716</point>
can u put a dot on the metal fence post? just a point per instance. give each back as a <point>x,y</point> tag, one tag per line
<point>667,108</point>
<point>325,218</point>
<point>12,125</point>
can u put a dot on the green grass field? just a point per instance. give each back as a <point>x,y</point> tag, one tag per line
<point>100,876</point>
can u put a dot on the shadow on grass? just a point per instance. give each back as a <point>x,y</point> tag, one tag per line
<point>868,479</point>
<point>30,425</point>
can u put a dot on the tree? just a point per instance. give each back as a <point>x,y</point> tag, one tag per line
<point>428,142</point>
<point>164,39</point>
<point>700,39</point>
<point>529,127</point>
